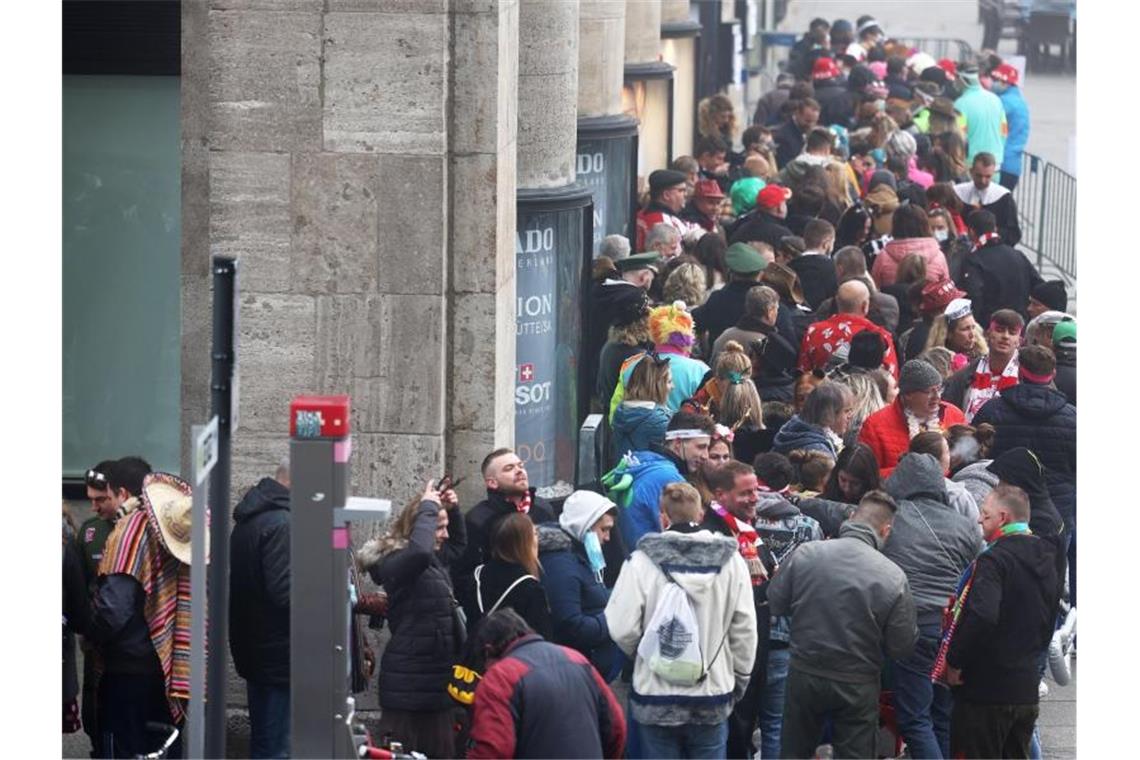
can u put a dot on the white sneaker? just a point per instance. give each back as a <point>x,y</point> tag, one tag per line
<point>1068,628</point>
<point>1042,689</point>
<point>1059,659</point>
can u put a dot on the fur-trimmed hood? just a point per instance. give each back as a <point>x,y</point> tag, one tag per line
<point>693,559</point>
<point>552,538</point>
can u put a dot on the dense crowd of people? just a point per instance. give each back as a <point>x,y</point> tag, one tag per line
<point>840,474</point>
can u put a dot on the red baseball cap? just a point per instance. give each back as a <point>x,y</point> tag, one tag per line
<point>949,67</point>
<point>707,188</point>
<point>824,68</point>
<point>772,196</point>
<point>1005,73</point>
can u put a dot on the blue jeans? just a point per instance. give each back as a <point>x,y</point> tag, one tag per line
<point>772,702</point>
<point>684,741</point>
<point>268,720</point>
<point>922,708</point>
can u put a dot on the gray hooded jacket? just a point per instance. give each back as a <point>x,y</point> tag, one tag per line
<point>931,541</point>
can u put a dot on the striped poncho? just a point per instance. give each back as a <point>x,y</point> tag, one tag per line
<point>135,548</point>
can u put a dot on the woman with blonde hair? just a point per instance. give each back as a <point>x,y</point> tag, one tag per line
<point>956,330</point>
<point>716,117</point>
<point>868,400</point>
<point>687,282</point>
<point>642,417</point>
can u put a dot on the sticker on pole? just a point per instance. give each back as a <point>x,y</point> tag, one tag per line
<point>206,451</point>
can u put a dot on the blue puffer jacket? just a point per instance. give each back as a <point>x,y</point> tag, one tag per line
<point>1042,420</point>
<point>797,434</point>
<point>651,473</point>
<point>635,427</point>
<point>577,598</point>
<point>1017,117</point>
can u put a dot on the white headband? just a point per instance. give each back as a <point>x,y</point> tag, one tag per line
<point>685,433</point>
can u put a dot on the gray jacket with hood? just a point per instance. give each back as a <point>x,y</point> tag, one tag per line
<point>931,541</point>
<point>847,603</point>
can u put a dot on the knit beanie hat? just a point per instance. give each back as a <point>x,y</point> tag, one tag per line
<point>671,325</point>
<point>1052,294</point>
<point>918,375</point>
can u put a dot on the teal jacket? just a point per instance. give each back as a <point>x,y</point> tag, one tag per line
<point>985,123</point>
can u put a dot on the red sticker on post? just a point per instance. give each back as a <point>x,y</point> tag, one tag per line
<point>319,417</point>
<point>340,538</point>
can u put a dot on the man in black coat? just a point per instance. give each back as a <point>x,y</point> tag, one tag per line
<point>814,266</point>
<point>790,136</point>
<point>815,38</point>
<point>259,609</point>
<point>1006,620</point>
<point>508,491</point>
<point>994,275</point>
<point>836,103</point>
<point>981,192</point>
<point>1035,415</point>
<point>767,223</point>
<point>724,307</point>
<point>1065,348</point>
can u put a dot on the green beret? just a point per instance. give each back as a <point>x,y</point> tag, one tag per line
<point>744,259</point>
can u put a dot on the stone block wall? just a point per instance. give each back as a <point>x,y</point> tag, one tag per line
<point>358,157</point>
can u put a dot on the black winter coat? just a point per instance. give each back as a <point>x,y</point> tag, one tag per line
<point>1039,418</point>
<point>118,626</point>
<point>1066,379</point>
<point>789,139</point>
<point>426,632</point>
<point>480,522</point>
<point>528,598</point>
<point>1006,623</point>
<point>76,614</point>
<point>817,278</point>
<point>836,103</point>
<point>722,310</point>
<point>998,277</point>
<point>259,584</point>
<point>760,226</point>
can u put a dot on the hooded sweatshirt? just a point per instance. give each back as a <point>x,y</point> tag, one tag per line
<point>637,425</point>
<point>977,479</point>
<point>713,575</point>
<point>930,540</point>
<point>1019,467</point>
<point>651,472</point>
<point>797,434</point>
<point>783,527</point>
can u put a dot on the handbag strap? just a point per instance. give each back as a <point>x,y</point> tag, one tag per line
<point>510,588</point>
<point>705,670</point>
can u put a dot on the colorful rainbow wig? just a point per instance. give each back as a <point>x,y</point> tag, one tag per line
<point>671,326</point>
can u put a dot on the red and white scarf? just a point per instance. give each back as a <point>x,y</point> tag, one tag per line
<point>522,503</point>
<point>986,384</point>
<point>748,541</point>
<point>984,239</point>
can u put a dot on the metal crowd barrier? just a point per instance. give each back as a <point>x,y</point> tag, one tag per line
<point>1046,198</point>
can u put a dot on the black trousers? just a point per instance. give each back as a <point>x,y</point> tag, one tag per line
<point>991,730</point>
<point>746,714</point>
<point>127,702</point>
<point>88,704</point>
<point>854,711</point>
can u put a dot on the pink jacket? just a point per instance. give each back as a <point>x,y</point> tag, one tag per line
<point>886,266</point>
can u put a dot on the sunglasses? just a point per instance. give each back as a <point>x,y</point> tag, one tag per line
<point>95,479</point>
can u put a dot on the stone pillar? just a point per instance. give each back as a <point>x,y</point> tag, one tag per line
<point>343,150</point>
<point>648,92</point>
<point>601,56</point>
<point>679,34</point>
<point>551,246</point>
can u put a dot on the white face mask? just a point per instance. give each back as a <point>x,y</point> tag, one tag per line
<point>941,235</point>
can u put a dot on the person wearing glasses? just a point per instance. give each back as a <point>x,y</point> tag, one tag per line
<point>90,539</point>
<point>919,407</point>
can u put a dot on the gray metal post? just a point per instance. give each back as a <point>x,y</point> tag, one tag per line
<point>205,457</point>
<point>319,609</point>
<point>223,403</point>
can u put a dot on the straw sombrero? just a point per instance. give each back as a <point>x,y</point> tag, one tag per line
<point>168,503</point>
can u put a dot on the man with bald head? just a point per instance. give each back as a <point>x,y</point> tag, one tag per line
<point>833,335</point>
<point>851,264</point>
